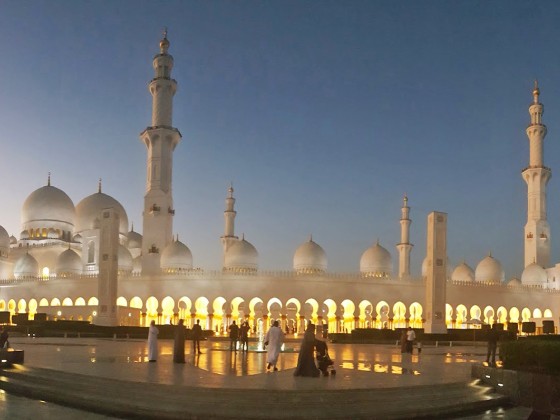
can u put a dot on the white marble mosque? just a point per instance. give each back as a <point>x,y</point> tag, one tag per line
<point>54,266</point>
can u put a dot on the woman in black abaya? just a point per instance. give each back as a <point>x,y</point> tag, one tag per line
<point>306,359</point>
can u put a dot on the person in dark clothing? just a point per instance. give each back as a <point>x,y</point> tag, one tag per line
<point>179,344</point>
<point>196,336</point>
<point>244,336</point>
<point>4,338</point>
<point>306,360</point>
<point>233,336</point>
<point>493,338</point>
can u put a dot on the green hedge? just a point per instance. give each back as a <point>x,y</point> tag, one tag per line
<point>532,355</point>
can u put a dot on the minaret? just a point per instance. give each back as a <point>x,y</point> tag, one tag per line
<point>160,139</point>
<point>536,175</point>
<point>229,219</point>
<point>404,247</point>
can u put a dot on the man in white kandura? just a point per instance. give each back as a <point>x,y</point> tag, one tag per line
<point>152,342</point>
<point>273,340</point>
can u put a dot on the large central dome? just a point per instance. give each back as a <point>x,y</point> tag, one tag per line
<point>310,258</point>
<point>48,207</point>
<point>89,210</point>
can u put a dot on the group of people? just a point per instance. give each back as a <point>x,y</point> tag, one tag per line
<point>179,341</point>
<point>313,348</point>
<point>239,334</point>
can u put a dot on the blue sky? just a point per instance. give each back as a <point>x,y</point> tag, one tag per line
<point>322,114</point>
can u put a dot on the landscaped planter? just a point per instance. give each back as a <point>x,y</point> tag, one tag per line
<point>536,390</point>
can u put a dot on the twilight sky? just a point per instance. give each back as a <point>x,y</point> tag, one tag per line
<point>322,114</point>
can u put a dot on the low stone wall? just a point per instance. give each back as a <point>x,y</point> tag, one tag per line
<point>538,391</point>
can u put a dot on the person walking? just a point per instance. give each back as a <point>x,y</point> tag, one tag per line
<point>152,342</point>
<point>306,360</point>
<point>244,336</point>
<point>233,336</point>
<point>410,337</point>
<point>179,343</point>
<point>493,338</point>
<point>273,341</point>
<point>196,336</point>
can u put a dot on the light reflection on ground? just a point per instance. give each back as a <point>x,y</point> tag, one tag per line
<point>217,358</point>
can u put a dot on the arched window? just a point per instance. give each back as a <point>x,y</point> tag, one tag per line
<point>91,253</point>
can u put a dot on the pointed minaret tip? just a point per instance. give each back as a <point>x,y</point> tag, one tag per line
<point>164,43</point>
<point>536,92</point>
<point>230,190</point>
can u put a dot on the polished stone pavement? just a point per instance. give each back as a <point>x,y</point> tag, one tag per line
<point>359,367</point>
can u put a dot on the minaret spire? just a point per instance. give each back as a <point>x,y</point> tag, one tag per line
<point>49,180</point>
<point>229,221</point>
<point>405,247</point>
<point>536,175</point>
<point>160,139</point>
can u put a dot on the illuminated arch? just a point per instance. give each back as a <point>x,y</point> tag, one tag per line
<point>12,306</point>
<point>537,313</point>
<point>547,313</point>
<point>136,303</point>
<point>310,310</point>
<point>273,301</point>
<point>43,302</point>
<point>32,306</point>
<point>489,315</point>
<point>235,307</point>
<point>382,314</point>
<point>461,317</point>
<point>501,315</point>
<point>366,310</point>
<point>167,309</point>
<point>121,301</point>
<point>292,312</point>
<point>416,312</point>
<point>55,302</point>
<point>201,306</point>
<point>93,301</point>
<point>448,315</point>
<point>349,308</point>
<point>475,313</point>
<point>295,302</point>
<point>514,315</point>
<point>525,315</point>
<point>80,302</point>
<point>2,305</point>
<point>399,315</point>
<point>67,302</point>
<point>22,305</point>
<point>152,306</point>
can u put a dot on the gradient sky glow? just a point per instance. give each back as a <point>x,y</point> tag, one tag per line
<point>321,113</point>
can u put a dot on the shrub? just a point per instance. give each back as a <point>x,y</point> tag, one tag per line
<point>532,355</point>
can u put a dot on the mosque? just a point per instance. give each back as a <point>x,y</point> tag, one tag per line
<point>54,266</point>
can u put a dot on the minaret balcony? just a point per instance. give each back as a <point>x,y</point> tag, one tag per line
<point>153,250</point>
<point>546,168</point>
<point>155,209</point>
<point>171,211</point>
<point>530,235</point>
<point>543,236</point>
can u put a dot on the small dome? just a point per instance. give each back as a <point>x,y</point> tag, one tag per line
<point>125,260</point>
<point>176,257</point>
<point>514,283</point>
<point>534,275</point>
<point>24,234</point>
<point>137,265</point>
<point>77,238</point>
<point>89,209</point>
<point>48,207</point>
<point>26,266</point>
<point>241,256</point>
<point>376,262</point>
<point>489,270</point>
<point>310,258</point>
<point>68,263</point>
<point>134,239</point>
<point>4,242</point>
<point>463,273</point>
<point>13,240</point>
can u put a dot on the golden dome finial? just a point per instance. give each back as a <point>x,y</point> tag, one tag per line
<point>536,92</point>
<point>49,180</point>
<point>164,43</point>
<point>99,186</point>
